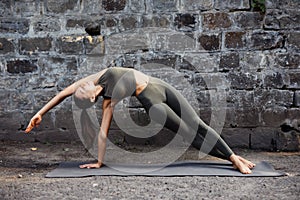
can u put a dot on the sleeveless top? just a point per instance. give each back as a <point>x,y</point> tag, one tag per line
<point>117,83</point>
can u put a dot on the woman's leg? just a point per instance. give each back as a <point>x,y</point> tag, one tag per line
<point>181,115</point>
<point>174,123</point>
<point>199,141</point>
<point>178,110</point>
<point>213,144</point>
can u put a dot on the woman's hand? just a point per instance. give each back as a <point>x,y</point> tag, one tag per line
<point>91,165</point>
<point>34,122</point>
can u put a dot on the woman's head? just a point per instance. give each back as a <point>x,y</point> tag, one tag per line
<point>86,95</point>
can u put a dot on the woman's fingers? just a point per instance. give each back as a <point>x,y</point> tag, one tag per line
<point>82,166</point>
<point>85,166</point>
<point>90,166</point>
<point>29,127</point>
<point>34,122</point>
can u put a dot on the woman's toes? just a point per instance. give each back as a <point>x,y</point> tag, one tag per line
<point>246,162</point>
<point>245,170</point>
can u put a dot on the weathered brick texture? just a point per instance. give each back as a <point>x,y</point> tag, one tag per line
<point>32,45</point>
<point>201,47</point>
<point>6,45</point>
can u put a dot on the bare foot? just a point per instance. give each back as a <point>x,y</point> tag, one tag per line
<point>238,164</point>
<point>246,162</point>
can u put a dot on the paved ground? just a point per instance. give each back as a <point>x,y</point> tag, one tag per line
<point>22,172</point>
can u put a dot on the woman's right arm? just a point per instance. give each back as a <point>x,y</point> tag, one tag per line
<point>107,114</point>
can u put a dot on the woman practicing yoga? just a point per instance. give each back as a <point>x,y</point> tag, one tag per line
<point>155,95</point>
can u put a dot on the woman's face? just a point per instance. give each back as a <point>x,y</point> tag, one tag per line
<point>86,92</point>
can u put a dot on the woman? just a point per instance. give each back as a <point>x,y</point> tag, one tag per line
<point>117,83</point>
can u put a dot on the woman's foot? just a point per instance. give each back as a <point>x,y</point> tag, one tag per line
<point>249,164</point>
<point>240,165</point>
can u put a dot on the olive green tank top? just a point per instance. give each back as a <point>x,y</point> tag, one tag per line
<point>117,83</point>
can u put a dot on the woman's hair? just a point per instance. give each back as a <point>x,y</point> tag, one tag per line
<point>88,129</point>
<point>83,103</point>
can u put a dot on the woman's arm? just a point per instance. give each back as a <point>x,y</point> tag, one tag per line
<point>107,114</point>
<point>37,118</point>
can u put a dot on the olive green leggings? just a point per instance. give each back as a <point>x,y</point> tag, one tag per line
<point>164,100</point>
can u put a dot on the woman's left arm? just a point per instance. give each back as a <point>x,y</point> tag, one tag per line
<point>107,114</point>
<point>68,91</point>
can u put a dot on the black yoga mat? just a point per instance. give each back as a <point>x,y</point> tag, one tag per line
<point>183,168</point>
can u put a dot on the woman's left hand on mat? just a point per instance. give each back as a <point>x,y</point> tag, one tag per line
<point>91,165</point>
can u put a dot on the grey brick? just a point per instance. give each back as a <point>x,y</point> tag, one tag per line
<point>71,44</point>
<point>114,5</point>
<point>229,61</point>
<point>236,137</point>
<point>287,60</point>
<point>235,40</point>
<point>6,8</point>
<point>274,117</point>
<point>271,98</point>
<point>7,45</point>
<point>248,20</point>
<point>14,25</point>
<point>282,4</point>
<point>264,138</point>
<point>195,5</point>
<point>26,7</point>
<point>274,80</point>
<point>294,80</point>
<point>165,5</point>
<point>156,21</point>
<point>242,80</point>
<point>46,25</point>
<point>282,19</point>
<point>219,20</point>
<point>32,45</point>
<point>293,41</point>
<point>62,6</point>
<point>21,66</point>
<point>186,22</point>
<point>211,42</point>
<point>287,141</point>
<point>232,4</point>
<point>91,6</point>
<point>265,40</point>
<point>129,22</point>
<point>138,6</point>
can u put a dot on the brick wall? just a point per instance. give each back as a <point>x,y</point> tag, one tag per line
<point>201,47</point>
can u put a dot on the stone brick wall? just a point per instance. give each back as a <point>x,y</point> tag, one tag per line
<point>213,51</point>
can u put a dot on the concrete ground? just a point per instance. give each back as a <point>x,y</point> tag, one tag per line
<point>22,171</point>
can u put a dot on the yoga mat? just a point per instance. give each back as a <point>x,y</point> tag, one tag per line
<point>183,168</point>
